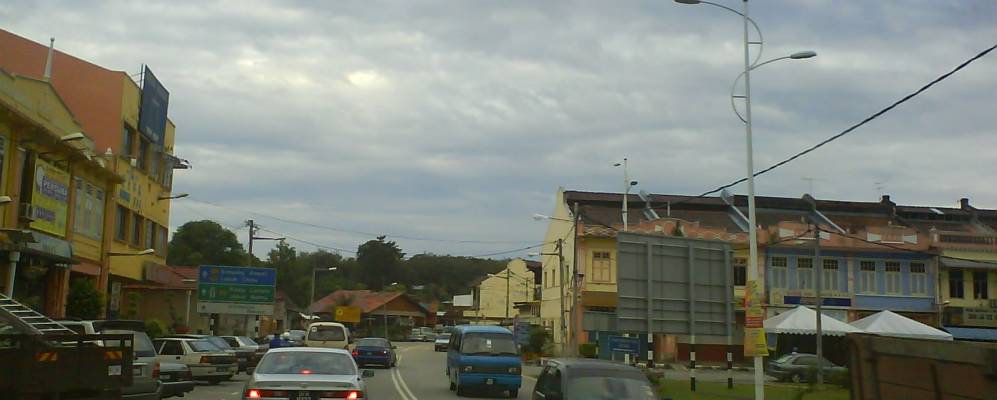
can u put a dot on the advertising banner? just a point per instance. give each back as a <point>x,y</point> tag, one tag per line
<point>347,314</point>
<point>49,199</point>
<point>152,111</point>
<point>754,317</point>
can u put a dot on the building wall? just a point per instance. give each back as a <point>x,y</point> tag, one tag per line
<point>561,227</point>
<point>493,292</point>
<point>156,304</point>
<point>967,286</point>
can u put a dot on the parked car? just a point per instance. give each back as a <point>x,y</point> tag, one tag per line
<point>318,372</point>
<point>428,334</point>
<point>484,357</point>
<point>245,345</point>
<point>242,356</point>
<point>377,351</point>
<point>416,335</point>
<point>585,378</point>
<point>297,336</point>
<point>145,367</point>
<point>176,379</point>
<point>800,367</point>
<point>206,361</point>
<point>441,342</point>
<point>333,335</point>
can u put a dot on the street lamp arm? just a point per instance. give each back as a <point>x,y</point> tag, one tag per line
<point>733,87</point>
<point>758,30</point>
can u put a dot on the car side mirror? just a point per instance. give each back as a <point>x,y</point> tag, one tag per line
<point>367,373</point>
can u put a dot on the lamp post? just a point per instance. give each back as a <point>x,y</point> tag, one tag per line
<point>384,309</point>
<point>187,318</point>
<point>627,184</point>
<point>311,297</point>
<point>752,229</point>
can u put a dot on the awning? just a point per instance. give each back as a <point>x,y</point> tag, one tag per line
<point>961,263</point>
<point>975,334</point>
<point>51,248</point>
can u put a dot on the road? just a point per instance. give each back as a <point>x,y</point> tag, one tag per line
<point>420,375</point>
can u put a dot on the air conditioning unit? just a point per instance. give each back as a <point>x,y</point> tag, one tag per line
<point>26,212</point>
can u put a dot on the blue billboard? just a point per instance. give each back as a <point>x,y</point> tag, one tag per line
<point>623,344</point>
<point>152,109</point>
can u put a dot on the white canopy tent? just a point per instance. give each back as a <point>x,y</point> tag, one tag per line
<point>803,321</point>
<point>888,323</point>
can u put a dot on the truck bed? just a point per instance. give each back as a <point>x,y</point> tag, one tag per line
<point>72,365</point>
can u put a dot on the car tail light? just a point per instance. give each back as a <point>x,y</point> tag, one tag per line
<point>354,395</point>
<point>155,370</point>
<point>384,352</point>
<point>349,395</point>
<point>356,353</point>
<point>205,360</point>
<point>260,393</point>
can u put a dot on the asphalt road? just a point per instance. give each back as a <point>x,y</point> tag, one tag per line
<point>420,375</point>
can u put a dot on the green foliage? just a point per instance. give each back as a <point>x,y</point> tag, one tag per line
<point>155,328</point>
<point>84,300</point>
<point>205,243</point>
<point>380,262</point>
<point>840,378</point>
<point>588,350</point>
<point>539,337</point>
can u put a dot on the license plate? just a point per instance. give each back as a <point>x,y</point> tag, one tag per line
<point>137,371</point>
<point>113,370</point>
<point>222,369</point>
<point>489,381</point>
<point>300,395</point>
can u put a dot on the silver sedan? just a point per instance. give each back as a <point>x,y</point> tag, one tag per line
<point>305,373</point>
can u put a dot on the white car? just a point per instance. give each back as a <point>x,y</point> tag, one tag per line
<point>206,361</point>
<point>307,373</point>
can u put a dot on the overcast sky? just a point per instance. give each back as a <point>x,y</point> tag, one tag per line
<point>459,119</point>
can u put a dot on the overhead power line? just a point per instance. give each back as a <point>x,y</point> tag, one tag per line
<point>846,131</point>
<point>355,232</point>
<point>318,245</point>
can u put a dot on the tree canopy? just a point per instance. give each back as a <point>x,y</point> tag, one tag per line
<point>205,243</point>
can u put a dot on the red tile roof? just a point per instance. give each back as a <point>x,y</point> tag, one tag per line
<point>365,299</point>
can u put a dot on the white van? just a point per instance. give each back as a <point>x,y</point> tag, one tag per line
<point>331,335</point>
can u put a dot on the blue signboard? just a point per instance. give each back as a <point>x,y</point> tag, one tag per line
<point>809,301</point>
<point>152,110</point>
<point>522,332</point>
<point>623,344</point>
<point>237,275</point>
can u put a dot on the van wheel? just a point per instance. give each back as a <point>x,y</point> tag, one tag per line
<point>796,378</point>
<point>453,386</point>
<point>461,391</point>
<point>513,393</point>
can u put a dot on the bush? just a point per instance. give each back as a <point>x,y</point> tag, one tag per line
<point>840,378</point>
<point>588,350</point>
<point>154,328</point>
<point>84,300</point>
<point>538,338</point>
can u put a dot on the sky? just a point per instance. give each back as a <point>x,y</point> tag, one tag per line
<point>446,124</point>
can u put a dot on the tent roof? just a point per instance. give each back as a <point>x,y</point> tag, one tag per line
<point>803,321</point>
<point>888,323</point>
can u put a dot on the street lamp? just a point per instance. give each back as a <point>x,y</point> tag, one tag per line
<point>179,196</point>
<point>752,234</point>
<point>311,298</point>
<point>627,184</point>
<point>139,253</point>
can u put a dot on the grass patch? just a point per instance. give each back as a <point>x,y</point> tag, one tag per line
<point>679,390</point>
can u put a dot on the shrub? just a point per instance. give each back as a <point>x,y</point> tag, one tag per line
<point>840,378</point>
<point>154,328</point>
<point>588,350</point>
<point>539,337</point>
<point>84,300</point>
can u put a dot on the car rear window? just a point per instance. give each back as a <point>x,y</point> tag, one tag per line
<point>219,342</point>
<point>307,363</point>
<point>488,343</point>
<point>247,341</point>
<point>202,346</point>
<point>329,332</point>
<point>608,384</point>
<point>372,342</point>
<point>232,342</point>
<point>142,344</point>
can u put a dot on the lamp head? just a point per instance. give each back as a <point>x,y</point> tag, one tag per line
<point>72,136</point>
<point>687,1</point>
<point>145,252</point>
<point>803,54</point>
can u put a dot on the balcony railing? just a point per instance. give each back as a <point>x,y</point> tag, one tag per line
<point>968,238</point>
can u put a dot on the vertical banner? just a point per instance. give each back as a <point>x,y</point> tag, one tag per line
<point>754,330</point>
<point>50,199</point>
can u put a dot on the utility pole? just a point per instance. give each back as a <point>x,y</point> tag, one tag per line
<point>574,282</point>
<point>560,267</point>
<point>508,285</point>
<point>252,232</point>
<point>818,281</point>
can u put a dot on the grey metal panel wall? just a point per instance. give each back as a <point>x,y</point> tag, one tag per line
<point>662,268</point>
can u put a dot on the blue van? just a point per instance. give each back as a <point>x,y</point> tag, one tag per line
<point>484,357</point>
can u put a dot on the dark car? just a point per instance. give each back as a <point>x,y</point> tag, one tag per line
<point>176,379</point>
<point>376,351</point>
<point>442,342</point>
<point>245,345</point>
<point>800,367</point>
<point>582,378</point>
<point>242,355</point>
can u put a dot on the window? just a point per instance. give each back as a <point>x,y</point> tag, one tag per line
<point>143,154</point>
<point>601,266</point>
<point>154,160</point>
<point>829,275</point>
<point>167,174</point>
<point>867,277</point>
<point>171,348</point>
<point>121,223</point>
<point>161,241</point>
<point>956,284</point>
<point>127,141</point>
<point>979,284</point>
<point>136,237</point>
<point>918,279</point>
<point>779,272</point>
<point>806,360</point>
<point>88,218</point>
<point>150,234</point>
<point>893,277</point>
<point>805,273</point>
<point>740,271</point>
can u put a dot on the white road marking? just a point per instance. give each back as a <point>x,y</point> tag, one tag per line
<point>403,389</point>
